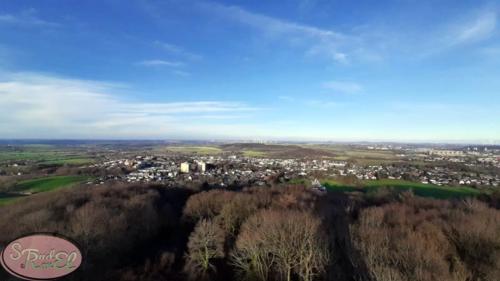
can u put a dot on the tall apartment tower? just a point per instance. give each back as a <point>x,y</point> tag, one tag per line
<point>185,167</point>
<point>201,166</point>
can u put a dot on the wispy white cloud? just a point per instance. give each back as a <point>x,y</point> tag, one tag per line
<point>317,41</point>
<point>177,68</point>
<point>38,105</point>
<point>158,62</point>
<point>371,43</point>
<point>27,17</point>
<point>470,30</point>
<point>481,27</point>
<point>344,87</point>
<point>177,51</point>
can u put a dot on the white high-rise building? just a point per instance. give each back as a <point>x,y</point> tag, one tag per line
<point>201,166</point>
<point>185,167</point>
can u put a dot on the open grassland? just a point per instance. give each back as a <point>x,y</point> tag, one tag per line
<point>69,161</point>
<point>370,154</point>
<point>369,157</point>
<point>195,149</point>
<point>254,153</point>
<point>275,150</point>
<point>420,189</point>
<point>44,155</point>
<point>360,156</point>
<point>48,183</point>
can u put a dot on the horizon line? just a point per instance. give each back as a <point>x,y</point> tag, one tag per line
<point>228,140</point>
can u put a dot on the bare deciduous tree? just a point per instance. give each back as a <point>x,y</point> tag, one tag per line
<point>206,243</point>
<point>280,244</point>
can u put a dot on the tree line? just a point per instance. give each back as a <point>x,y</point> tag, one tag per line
<point>149,232</point>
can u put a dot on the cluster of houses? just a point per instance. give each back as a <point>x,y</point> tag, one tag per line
<point>215,170</point>
<point>239,170</point>
<point>437,175</point>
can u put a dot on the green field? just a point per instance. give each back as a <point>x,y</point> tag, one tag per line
<point>40,185</point>
<point>48,183</point>
<point>6,199</point>
<point>254,153</point>
<point>420,189</point>
<point>69,161</point>
<point>195,149</point>
<point>43,155</point>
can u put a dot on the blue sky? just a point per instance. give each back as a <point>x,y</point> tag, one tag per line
<point>318,70</point>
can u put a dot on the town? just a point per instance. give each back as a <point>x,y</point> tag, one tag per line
<point>469,167</point>
<point>160,193</point>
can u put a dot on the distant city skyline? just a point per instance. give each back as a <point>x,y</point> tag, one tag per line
<point>298,70</point>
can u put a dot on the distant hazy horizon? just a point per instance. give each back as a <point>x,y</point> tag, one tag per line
<point>265,141</point>
<point>300,70</point>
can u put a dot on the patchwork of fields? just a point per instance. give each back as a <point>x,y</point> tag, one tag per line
<point>52,155</point>
<point>340,152</point>
<point>46,155</point>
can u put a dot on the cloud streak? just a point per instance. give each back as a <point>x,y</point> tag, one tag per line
<point>480,28</point>
<point>371,44</point>
<point>177,51</point>
<point>317,41</point>
<point>27,17</point>
<point>469,31</point>
<point>158,62</point>
<point>37,105</point>
<point>176,67</point>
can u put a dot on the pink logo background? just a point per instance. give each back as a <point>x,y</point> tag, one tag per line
<point>40,257</point>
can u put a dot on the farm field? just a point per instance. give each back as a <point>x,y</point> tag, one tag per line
<point>39,185</point>
<point>420,189</point>
<point>360,156</point>
<point>275,150</point>
<point>45,154</point>
<point>69,161</point>
<point>48,183</point>
<point>195,149</point>
<point>254,153</point>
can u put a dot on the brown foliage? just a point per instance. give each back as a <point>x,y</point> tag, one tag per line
<point>236,211</point>
<point>158,269</point>
<point>206,244</point>
<point>108,223</point>
<point>130,232</point>
<point>231,208</point>
<point>423,239</point>
<point>475,231</point>
<point>206,205</point>
<point>279,244</point>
